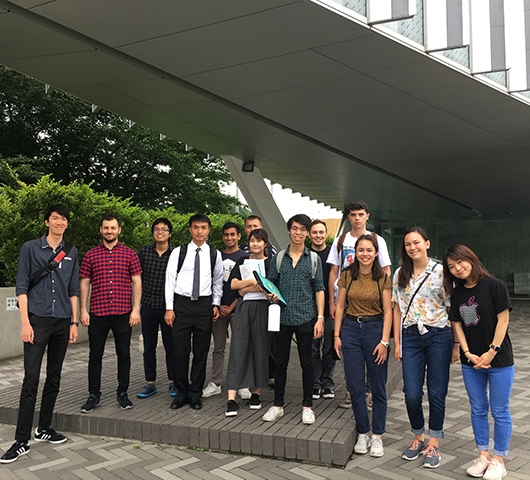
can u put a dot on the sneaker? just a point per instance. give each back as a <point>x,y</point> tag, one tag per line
<point>308,416</point>
<point>272,414</point>
<point>124,401</point>
<point>254,403</point>
<point>361,447</point>
<point>495,471</point>
<point>316,393</point>
<point>172,389</point>
<point>431,457</point>
<point>17,449</point>
<point>48,435</point>
<point>148,390</point>
<point>231,408</point>
<point>244,393</point>
<point>270,382</point>
<point>376,446</point>
<point>369,401</point>
<point>328,393</point>
<point>346,401</point>
<point>91,403</point>
<point>412,452</point>
<point>480,465</point>
<point>211,390</point>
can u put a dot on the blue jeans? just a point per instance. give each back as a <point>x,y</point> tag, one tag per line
<point>358,343</point>
<point>500,380</point>
<point>430,352</point>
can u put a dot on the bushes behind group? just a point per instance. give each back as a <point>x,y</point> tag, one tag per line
<point>21,219</point>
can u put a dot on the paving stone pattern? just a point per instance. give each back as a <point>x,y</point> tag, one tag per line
<point>166,454</point>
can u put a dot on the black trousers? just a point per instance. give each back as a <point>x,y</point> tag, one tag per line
<point>98,331</point>
<point>304,340</point>
<point>152,320</point>
<point>192,328</point>
<point>52,333</point>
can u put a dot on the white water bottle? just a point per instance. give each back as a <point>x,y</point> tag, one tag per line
<point>274,317</point>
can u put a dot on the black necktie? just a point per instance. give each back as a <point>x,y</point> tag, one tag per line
<point>196,276</point>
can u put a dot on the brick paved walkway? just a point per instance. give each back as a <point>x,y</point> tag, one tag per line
<point>95,457</point>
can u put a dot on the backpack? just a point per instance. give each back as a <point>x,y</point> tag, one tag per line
<point>184,251</point>
<point>314,262</point>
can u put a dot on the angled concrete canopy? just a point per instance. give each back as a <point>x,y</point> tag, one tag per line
<point>320,101</point>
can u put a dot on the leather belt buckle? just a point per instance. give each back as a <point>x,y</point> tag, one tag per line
<point>193,299</point>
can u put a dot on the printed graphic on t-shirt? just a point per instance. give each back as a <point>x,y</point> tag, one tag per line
<point>228,265</point>
<point>468,312</point>
<point>348,256</point>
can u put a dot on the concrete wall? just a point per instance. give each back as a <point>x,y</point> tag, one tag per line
<point>11,344</point>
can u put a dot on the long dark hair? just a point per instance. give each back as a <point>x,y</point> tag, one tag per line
<point>377,271</point>
<point>407,266</point>
<point>462,252</point>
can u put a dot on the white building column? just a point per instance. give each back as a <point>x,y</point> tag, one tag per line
<point>260,200</point>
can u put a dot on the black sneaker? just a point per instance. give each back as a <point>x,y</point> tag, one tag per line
<point>254,403</point>
<point>91,403</point>
<point>124,401</point>
<point>17,449</point>
<point>231,408</point>
<point>316,393</point>
<point>48,435</point>
<point>328,393</point>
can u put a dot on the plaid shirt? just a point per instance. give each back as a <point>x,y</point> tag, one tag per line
<point>110,273</point>
<point>154,276</point>
<point>297,287</point>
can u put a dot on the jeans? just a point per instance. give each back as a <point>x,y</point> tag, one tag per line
<point>98,330</point>
<point>304,339</point>
<point>52,333</point>
<point>358,343</point>
<point>323,361</point>
<point>430,352</point>
<point>152,320</point>
<point>500,381</point>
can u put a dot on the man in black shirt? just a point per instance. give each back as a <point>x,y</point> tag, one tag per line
<point>154,259</point>
<point>48,293</point>
<point>323,360</point>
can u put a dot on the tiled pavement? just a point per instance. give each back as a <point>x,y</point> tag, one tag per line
<point>95,457</point>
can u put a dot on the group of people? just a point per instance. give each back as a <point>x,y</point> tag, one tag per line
<point>340,302</point>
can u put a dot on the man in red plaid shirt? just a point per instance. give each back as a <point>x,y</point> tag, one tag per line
<point>115,274</point>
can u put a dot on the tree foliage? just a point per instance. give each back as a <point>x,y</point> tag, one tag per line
<point>58,134</point>
<point>22,208</point>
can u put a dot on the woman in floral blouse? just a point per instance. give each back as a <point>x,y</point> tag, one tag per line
<point>423,342</point>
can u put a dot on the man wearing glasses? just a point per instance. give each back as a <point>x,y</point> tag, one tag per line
<point>154,259</point>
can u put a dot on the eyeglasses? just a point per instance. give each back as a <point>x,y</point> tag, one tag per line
<point>164,230</point>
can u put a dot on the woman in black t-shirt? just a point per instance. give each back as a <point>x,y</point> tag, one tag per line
<point>480,308</point>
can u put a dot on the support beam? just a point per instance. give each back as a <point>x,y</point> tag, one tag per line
<point>260,200</point>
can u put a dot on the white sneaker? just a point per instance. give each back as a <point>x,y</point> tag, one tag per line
<point>308,416</point>
<point>272,414</point>
<point>244,393</point>
<point>376,446</point>
<point>495,471</point>
<point>361,447</point>
<point>211,389</point>
<point>480,465</point>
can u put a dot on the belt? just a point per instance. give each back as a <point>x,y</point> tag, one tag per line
<point>192,299</point>
<point>372,318</point>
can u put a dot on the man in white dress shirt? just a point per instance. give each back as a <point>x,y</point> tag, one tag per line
<point>193,290</point>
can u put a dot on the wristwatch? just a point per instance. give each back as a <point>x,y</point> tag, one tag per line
<point>385,344</point>
<point>496,348</point>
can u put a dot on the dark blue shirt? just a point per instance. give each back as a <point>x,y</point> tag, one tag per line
<point>51,296</point>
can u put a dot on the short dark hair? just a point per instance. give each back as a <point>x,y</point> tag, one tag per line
<point>229,225</point>
<point>163,220</point>
<point>57,208</point>
<point>300,218</point>
<point>199,218</point>
<point>260,234</point>
<point>253,217</point>
<point>316,221</point>
<point>108,217</point>
<point>357,205</point>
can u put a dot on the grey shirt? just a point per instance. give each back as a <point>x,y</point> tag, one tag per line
<point>51,296</point>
